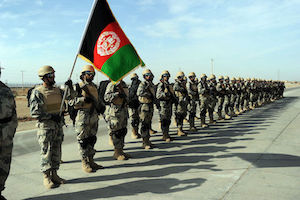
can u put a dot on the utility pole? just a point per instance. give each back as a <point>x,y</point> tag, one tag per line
<point>212,66</point>
<point>22,79</point>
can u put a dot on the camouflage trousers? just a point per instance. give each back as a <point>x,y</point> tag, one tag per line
<point>117,117</point>
<point>50,140</point>
<point>86,127</point>
<point>192,109</point>
<point>211,107</point>
<point>204,100</point>
<point>227,104</point>
<point>6,146</point>
<point>146,113</point>
<point>135,118</point>
<point>165,114</point>
<point>220,104</point>
<point>181,112</point>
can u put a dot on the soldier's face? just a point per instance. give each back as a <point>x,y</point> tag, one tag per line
<point>49,79</point>
<point>166,78</point>
<point>89,77</point>
<point>149,77</point>
<point>192,78</point>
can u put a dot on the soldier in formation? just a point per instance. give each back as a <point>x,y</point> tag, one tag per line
<point>45,106</point>
<point>89,106</point>
<point>8,126</point>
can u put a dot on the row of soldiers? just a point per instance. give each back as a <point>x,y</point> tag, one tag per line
<point>229,97</point>
<point>138,100</point>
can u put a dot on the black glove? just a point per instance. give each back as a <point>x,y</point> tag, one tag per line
<point>122,95</point>
<point>69,83</point>
<point>101,109</point>
<point>56,118</point>
<point>88,100</point>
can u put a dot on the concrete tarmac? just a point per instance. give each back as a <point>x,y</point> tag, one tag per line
<point>254,156</point>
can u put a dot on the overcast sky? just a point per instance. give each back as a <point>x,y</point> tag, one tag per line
<point>247,38</point>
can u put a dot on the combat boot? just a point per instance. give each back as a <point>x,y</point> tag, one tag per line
<point>94,165</point>
<point>152,132</point>
<point>203,124</point>
<point>180,132</point>
<point>220,117</point>
<point>193,129</point>
<point>135,134</point>
<point>147,144</point>
<point>86,167</point>
<point>119,155</point>
<point>166,137</point>
<point>227,116</point>
<point>48,183</point>
<point>185,120</point>
<point>56,179</point>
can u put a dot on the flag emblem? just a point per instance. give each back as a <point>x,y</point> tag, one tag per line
<point>108,43</point>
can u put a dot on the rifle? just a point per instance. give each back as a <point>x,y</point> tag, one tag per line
<point>100,108</point>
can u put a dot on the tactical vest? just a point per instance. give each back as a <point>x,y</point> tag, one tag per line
<point>52,99</point>
<point>93,91</point>
<point>118,100</point>
<point>145,99</point>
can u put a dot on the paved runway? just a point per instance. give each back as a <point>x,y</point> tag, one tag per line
<point>255,156</point>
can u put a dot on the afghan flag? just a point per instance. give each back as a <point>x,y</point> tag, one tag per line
<point>106,46</point>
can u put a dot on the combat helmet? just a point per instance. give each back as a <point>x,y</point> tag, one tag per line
<point>47,69</point>
<point>147,72</point>
<point>87,68</point>
<point>192,74</point>
<point>226,77</point>
<point>134,75</point>
<point>233,79</point>
<point>221,77</point>
<point>180,74</point>
<point>165,72</point>
<point>211,77</point>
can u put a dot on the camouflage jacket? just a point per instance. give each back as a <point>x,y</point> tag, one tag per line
<point>146,91</point>
<point>192,88</point>
<point>8,114</point>
<point>203,88</point>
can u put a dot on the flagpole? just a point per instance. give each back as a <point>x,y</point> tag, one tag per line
<point>84,32</point>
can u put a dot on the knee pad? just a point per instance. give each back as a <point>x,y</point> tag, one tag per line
<point>135,122</point>
<point>145,126</point>
<point>83,143</point>
<point>92,140</point>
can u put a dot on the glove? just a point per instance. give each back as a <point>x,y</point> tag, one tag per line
<point>122,95</point>
<point>88,100</point>
<point>56,118</point>
<point>69,83</point>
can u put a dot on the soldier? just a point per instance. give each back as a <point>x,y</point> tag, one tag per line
<point>45,103</point>
<point>233,98</point>
<point>89,106</point>
<point>117,116</point>
<point>192,88</point>
<point>212,98</point>
<point>247,94</point>
<point>253,94</point>
<point>165,95</point>
<point>227,99</point>
<point>181,94</point>
<point>204,99</point>
<point>8,126</point>
<point>238,96</point>
<point>146,95</point>
<point>221,95</point>
<point>134,106</point>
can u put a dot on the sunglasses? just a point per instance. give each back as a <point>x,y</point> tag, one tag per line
<point>90,73</point>
<point>166,75</point>
<point>49,75</point>
<point>148,74</point>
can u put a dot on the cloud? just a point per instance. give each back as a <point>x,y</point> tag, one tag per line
<point>39,2</point>
<point>8,16</point>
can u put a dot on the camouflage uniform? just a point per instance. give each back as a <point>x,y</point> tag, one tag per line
<point>253,94</point>
<point>8,125</point>
<point>183,99</point>
<point>50,133</point>
<point>238,96</point>
<point>86,123</point>
<point>117,116</point>
<point>212,98</point>
<point>233,97</point>
<point>134,106</point>
<point>204,92</point>
<point>227,99</point>
<point>247,96</point>
<point>165,95</point>
<point>146,95</point>
<point>192,88</point>
<point>221,95</point>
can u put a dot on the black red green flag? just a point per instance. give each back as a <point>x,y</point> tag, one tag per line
<point>106,46</point>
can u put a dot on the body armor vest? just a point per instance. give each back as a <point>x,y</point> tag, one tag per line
<point>52,98</point>
<point>93,90</point>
